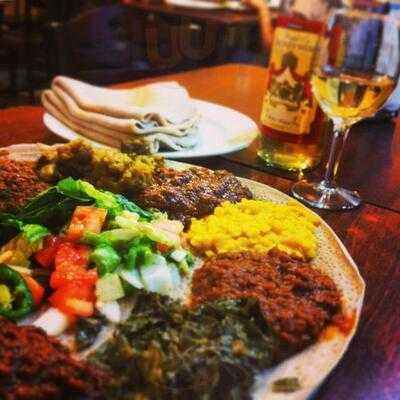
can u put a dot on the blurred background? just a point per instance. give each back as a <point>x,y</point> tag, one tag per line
<point>110,41</point>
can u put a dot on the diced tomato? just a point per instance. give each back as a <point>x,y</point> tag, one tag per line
<point>81,291</point>
<point>51,240</point>
<point>70,266</point>
<point>71,254</point>
<point>86,219</point>
<point>78,307</point>
<point>162,248</point>
<point>74,299</point>
<point>70,273</point>
<point>35,288</point>
<point>45,257</point>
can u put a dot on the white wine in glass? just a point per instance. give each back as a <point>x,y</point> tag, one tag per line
<point>351,97</point>
<point>356,70</point>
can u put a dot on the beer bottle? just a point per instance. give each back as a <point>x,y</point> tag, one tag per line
<point>293,126</point>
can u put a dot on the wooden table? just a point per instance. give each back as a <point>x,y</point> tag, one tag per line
<point>371,367</point>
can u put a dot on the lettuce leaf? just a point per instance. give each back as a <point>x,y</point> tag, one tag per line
<point>32,232</point>
<point>113,203</point>
<point>85,192</point>
<point>130,206</point>
<point>53,208</point>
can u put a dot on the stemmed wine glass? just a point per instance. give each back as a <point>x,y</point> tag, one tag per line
<point>355,71</point>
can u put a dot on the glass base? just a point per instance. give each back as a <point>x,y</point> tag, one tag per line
<point>318,195</point>
<point>289,156</point>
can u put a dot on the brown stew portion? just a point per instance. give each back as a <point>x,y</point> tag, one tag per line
<point>192,193</point>
<point>34,366</point>
<point>297,301</point>
<point>19,183</point>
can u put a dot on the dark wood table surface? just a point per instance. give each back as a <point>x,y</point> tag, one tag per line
<point>370,369</point>
<point>221,17</point>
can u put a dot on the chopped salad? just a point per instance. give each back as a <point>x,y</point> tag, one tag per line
<point>79,250</point>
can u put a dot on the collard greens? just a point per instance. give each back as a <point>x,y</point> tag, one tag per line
<point>168,351</point>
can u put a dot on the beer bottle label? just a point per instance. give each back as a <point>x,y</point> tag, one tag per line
<point>289,105</point>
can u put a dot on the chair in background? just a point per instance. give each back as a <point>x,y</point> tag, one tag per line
<point>23,45</point>
<point>62,10</point>
<point>104,45</point>
<point>42,20</point>
<point>27,43</point>
<point>12,49</point>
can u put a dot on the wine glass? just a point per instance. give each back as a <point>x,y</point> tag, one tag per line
<point>356,68</point>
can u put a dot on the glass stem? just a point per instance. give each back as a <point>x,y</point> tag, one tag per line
<point>340,132</point>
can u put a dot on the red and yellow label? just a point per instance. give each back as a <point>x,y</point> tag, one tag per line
<point>289,105</point>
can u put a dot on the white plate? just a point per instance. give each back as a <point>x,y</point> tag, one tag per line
<point>207,5</point>
<point>221,130</point>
